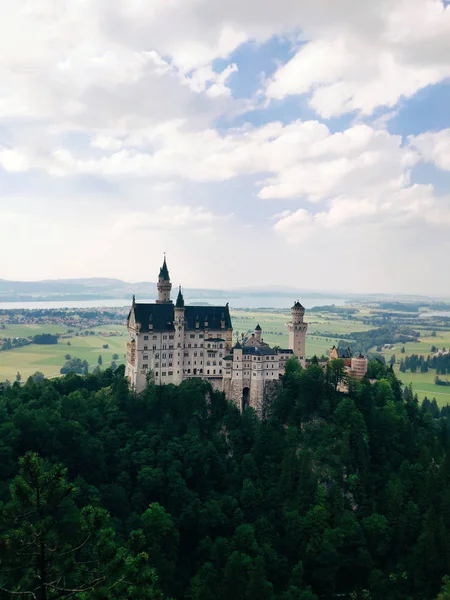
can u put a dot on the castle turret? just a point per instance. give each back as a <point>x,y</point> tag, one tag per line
<point>297,332</point>
<point>257,333</point>
<point>164,286</point>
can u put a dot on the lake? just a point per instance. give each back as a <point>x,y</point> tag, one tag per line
<point>253,302</point>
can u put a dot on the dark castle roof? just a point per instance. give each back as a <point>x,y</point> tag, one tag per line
<point>164,271</point>
<point>161,316</point>
<point>258,328</point>
<point>255,350</point>
<point>180,299</point>
<point>298,305</point>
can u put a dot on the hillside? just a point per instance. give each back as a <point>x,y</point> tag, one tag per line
<point>174,494</point>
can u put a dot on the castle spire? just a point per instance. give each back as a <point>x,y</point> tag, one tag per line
<point>164,286</point>
<point>164,271</point>
<point>180,299</point>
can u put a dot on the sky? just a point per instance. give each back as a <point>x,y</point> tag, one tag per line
<point>257,143</point>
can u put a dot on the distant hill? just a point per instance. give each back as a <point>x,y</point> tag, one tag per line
<point>101,288</point>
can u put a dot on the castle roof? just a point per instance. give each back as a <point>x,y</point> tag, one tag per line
<point>180,299</point>
<point>164,271</point>
<point>298,305</point>
<point>255,350</point>
<point>258,328</point>
<point>161,316</point>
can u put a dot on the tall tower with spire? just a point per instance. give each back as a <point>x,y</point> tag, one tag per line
<point>164,286</point>
<point>297,332</point>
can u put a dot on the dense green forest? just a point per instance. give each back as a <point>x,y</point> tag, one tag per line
<point>174,494</point>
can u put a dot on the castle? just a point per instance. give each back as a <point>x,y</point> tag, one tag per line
<point>172,343</point>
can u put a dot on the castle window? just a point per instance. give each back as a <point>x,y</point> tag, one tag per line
<point>189,370</point>
<point>145,347</point>
<point>164,346</point>
<point>171,337</point>
<point>195,345</point>
<point>154,346</point>
<point>156,364</point>
<point>155,337</point>
<point>220,345</point>
<point>164,337</point>
<point>214,371</point>
<point>208,371</point>
<point>145,337</point>
<point>164,355</point>
<point>208,363</point>
<point>156,374</point>
<point>170,355</point>
<point>170,364</point>
<point>145,357</point>
<point>200,335</point>
<point>186,354</point>
<point>145,366</point>
<point>220,371</point>
<point>170,372</point>
<point>192,336</point>
<point>189,345</point>
<point>157,355</point>
<point>163,373</point>
<point>195,353</point>
<point>170,346</point>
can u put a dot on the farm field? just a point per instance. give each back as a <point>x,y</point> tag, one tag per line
<point>324,331</point>
<point>423,383</point>
<point>48,359</point>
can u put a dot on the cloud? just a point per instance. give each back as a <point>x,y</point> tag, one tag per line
<point>360,70</point>
<point>121,124</point>
<point>299,160</point>
<point>13,161</point>
<point>415,205</point>
<point>169,218</point>
<point>434,147</point>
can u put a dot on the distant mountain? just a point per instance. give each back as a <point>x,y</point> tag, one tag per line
<point>101,288</point>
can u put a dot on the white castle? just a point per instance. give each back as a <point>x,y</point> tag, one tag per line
<point>171,343</point>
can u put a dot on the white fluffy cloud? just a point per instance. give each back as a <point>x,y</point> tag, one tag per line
<point>300,160</point>
<point>414,205</point>
<point>360,70</point>
<point>434,147</point>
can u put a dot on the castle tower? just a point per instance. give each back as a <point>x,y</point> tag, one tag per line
<point>164,286</point>
<point>257,332</point>
<point>297,332</point>
<point>179,325</point>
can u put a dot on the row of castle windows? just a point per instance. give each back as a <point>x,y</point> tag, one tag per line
<point>171,336</point>
<point>186,371</point>
<point>247,373</point>
<point>179,346</point>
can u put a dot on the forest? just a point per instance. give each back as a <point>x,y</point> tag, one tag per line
<point>175,494</point>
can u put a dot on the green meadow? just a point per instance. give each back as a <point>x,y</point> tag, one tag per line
<point>48,359</point>
<point>423,383</point>
<point>324,331</point>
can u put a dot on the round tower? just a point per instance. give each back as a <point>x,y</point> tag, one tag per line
<point>164,286</point>
<point>257,333</point>
<point>297,332</point>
